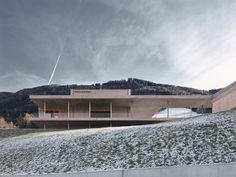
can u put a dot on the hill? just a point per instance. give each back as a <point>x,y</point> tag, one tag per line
<point>202,140</point>
<point>12,105</point>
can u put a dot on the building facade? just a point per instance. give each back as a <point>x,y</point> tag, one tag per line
<point>99,108</point>
<point>94,108</point>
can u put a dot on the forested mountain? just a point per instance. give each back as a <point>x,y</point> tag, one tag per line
<point>12,105</point>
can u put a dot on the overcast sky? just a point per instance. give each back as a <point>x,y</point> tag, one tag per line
<point>182,42</point>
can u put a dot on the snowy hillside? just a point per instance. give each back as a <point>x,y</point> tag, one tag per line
<point>201,140</point>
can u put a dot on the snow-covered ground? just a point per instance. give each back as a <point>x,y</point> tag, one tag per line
<point>201,140</point>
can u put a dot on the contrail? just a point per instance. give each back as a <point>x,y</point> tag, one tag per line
<point>55,67</point>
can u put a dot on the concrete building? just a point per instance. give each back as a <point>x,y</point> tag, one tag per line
<point>225,99</point>
<point>95,108</point>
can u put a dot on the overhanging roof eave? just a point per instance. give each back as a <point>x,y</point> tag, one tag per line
<point>133,97</point>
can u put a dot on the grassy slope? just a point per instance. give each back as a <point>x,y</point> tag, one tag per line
<point>203,140</point>
<point>6,133</point>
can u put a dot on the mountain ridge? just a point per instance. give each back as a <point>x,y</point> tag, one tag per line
<point>14,105</point>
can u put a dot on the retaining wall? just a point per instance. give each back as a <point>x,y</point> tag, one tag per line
<point>219,170</point>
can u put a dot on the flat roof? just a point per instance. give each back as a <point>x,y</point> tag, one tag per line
<point>145,100</point>
<point>62,97</point>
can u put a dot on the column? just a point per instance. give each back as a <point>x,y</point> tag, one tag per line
<point>68,125</point>
<point>89,125</point>
<point>44,109</point>
<point>110,109</point>
<point>39,111</point>
<point>168,111</point>
<point>129,113</point>
<point>68,109</point>
<point>89,110</point>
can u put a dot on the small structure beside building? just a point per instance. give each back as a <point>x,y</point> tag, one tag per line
<point>225,99</point>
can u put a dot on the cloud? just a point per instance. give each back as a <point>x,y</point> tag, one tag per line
<point>17,80</point>
<point>177,42</point>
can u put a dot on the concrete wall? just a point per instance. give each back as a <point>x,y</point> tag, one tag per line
<point>100,93</point>
<point>225,99</point>
<point>121,112</point>
<point>142,110</point>
<point>220,170</point>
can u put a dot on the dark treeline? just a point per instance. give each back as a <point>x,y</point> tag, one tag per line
<point>14,105</point>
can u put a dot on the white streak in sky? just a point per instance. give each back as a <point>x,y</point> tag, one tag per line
<point>55,67</point>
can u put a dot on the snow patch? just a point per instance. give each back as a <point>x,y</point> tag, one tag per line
<point>205,139</point>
